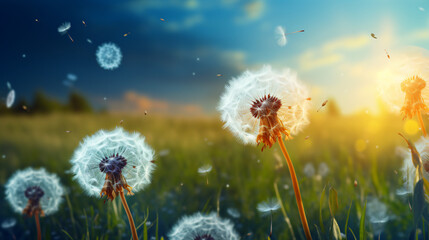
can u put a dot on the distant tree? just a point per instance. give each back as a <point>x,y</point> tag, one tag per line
<point>44,104</point>
<point>78,103</point>
<point>332,108</point>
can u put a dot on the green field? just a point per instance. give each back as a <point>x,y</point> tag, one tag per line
<point>242,176</point>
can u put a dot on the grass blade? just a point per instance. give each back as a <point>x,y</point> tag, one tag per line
<point>347,220</point>
<point>287,220</point>
<point>322,200</point>
<point>362,234</point>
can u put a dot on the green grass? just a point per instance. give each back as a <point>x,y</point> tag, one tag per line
<point>242,176</point>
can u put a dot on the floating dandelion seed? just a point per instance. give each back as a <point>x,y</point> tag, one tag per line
<point>109,162</point>
<point>267,208</point>
<point>24,56</point>
<point>8,85</point>
<point>323,104</point>
<point>8,223</point>
<point>309,170</point>
<point>64,28</point>
<point>71,77</point>
<point>373,36</point>
<point>254,108</point>
<point>281,36</point>
<point>33,193</point>
<point>89,40</point>
<point>109,56</point>
<point>205,169</point>
<point>10,98</point>
<point>203,227</point>
<point>421,9</point>
<point>402,84</point>
<point>233,212</point>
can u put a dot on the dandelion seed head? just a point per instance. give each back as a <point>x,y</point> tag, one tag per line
<point>10,98</point>
<point>309,170</point>
<point>63,28</point>
<point>207,227</point>
<point>280,36</point>
<point>404,78</point>
<point>37,185</point>
<point>271,205</point>
<point>243,92</point>
<point>118,154</point>
<point>377,213</point>
<point>408,168</point>
<point>323,169</point>
<point>109,56</point>
<point>205,169</point>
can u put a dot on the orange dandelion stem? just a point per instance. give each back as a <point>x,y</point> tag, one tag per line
<point>422,125</point>
<point>39,233</point>
<point>130,217</point>
<point>295,189</point>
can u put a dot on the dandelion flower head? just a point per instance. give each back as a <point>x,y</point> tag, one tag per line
<point>109,56</point>
<point>260,106</point>
<point>271,205</point>
<point>402,83</point>
<point>203,227</point>
<point>33,192</point>
<point>110,161</point>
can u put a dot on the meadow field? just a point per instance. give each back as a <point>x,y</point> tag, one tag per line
<point>361,151</point>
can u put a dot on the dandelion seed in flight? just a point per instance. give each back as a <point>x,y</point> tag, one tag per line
<point>8,223</point>
<point>281,34</point>
<point>219,75</point>
<point>421,9</point>
<point>373,36</point>
<point>71,77</point>
<point>323,104</point>
<point>109,56</point>
<point>162,19</point>
<point>271,205</point>
<point>233,212</point>
<point>64,28</point>
<point>89,40</point>
<point>126,34</point>
<point>37,20</point>
<point>205,169</point>
<point>84,23</point>
<point>24,56</point>
<point>10,98</point>
<point>9,86</point>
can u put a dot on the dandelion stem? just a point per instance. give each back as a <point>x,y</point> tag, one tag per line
<point>422,125</point>
<point>39,233</point>
<point>130,217</point>
<point>296,190</point>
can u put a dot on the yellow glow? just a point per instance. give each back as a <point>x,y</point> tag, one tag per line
<point>411,127</point>
<point>360,145</point>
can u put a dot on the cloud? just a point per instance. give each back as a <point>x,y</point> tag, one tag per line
<point>253,10</point>
<point>186,23</point>
<point>331,52</point>
<point>137,103</point>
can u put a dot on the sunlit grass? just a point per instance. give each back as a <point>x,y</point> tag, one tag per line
<point>359,147</point>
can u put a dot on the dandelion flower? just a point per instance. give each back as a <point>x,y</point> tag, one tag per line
<point>377,213</point>
<point>203,227</point>
<point>109,162</point>
<point>261,107</point>
<point>33,193</point>
<point>109,56</point>
<point>309,170</point>
<point>403,84</point>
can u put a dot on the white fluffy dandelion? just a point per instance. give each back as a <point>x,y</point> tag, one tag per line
<point>203,227</point>
<point>34,192</point>
<point>110,157</point>
<point>248,96</point>
<point>263,107</point>
<point>309,170</point>
<point>109,56</point>
<point>108,162</point>
<point>281,36</point>
<point>409,170</point>
<point>323,169</point>
<point>377,213</point>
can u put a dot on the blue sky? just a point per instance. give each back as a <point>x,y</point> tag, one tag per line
<point>335,56</point>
